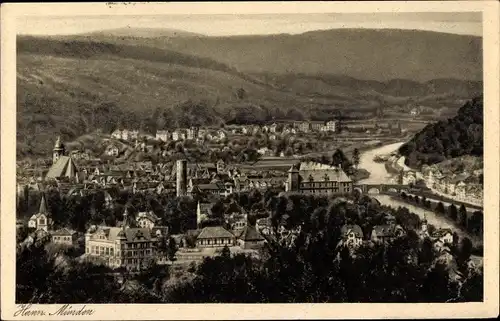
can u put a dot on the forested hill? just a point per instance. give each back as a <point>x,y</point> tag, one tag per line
<point>458,136</point>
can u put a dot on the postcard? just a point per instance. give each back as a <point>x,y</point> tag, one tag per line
<point>276,160</point>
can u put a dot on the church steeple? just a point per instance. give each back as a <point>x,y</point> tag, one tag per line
<point>58,150</point>
<point>43,206</point>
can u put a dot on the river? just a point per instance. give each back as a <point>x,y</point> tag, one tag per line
<point>379,175</point>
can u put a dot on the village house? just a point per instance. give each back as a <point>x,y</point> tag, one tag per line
<point>352,235</point>
<point>215,236</point>
<point>264,226</point>
<point>64,236</point>
<point>146,219</point>
<point>273,128</point>
<point>415,111</point>
<point>316,125</point>
<point>386,233</point>
<point>303,126</point>
<point>221,135</point>
<point>112,150</point>
<point>237,221</point>
<point>264,151</point>
<point>117,134</point>
<point>442,238</point>
<point>178,135</point>
<point>162,135</point>
<point>192,133</point>
<point>41,220</point>
<point>250,238</point>
<point>330,126</point>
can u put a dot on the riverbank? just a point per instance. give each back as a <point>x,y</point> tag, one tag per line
<point>436,220</point>
<point>430,195</point>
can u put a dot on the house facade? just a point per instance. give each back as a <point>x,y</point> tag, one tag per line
<point>130,248</point>
<point>315,178</point>
<point>215,236</point>
<point>64,236</point>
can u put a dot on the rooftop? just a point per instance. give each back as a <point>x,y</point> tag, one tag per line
<point>210,232</point>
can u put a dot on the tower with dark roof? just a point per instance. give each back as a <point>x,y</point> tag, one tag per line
<point>58,150</point>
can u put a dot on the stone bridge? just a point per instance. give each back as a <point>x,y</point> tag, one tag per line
<point>379,188</point>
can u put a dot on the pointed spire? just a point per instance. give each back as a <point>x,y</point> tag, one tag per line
<point>125,215</point>
<point>43,205</point>
<point>58,143</point>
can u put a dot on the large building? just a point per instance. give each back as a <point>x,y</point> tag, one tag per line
<point>120,247</point>
<point>316,178</point>
<point>62,166</point>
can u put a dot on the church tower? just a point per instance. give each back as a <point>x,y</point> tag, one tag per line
<point>58,150</point>
<point>292,184</point>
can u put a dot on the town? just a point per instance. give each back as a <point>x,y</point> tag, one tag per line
<point>166,166</point>
<point>138,237</point>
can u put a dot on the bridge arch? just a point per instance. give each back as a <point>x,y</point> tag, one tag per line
<point>374,190</point>
<point>358,190</point>
<point>392,190</point>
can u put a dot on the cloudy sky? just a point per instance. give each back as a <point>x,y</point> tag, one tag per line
<point>226,25</point>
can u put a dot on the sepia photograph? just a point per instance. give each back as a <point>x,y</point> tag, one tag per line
<point>181,158</point>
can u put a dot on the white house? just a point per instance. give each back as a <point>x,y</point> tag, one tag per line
<point>146,219</point>
<point>352,235</point>
<point>41,219</point>
<point>112,150</point>
<point>162,135</point>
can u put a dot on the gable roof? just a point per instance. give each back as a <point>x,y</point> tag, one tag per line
<point>250,233</point>
<point>64,167</point>
<point>131,234</point>
<point>63,231</point>
<point>210,232</point>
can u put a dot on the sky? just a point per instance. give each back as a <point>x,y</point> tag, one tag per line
<point>469,23</point>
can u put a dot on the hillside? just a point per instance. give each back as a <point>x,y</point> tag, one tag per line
<point>74,86</point>
<point>381,55</point>
<point>143,33</point>
<point>457,136</point>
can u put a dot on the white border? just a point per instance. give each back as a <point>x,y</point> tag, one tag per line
<point>489,308</point>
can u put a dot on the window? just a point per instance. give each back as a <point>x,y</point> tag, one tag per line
<point>42,221</point>
<point>107,251</point>
<point>87,250</point>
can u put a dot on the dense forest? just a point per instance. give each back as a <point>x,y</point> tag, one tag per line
<point>460,135</point>
<point>308,267</point>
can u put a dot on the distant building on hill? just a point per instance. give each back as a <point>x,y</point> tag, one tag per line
<point>316,178</point>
